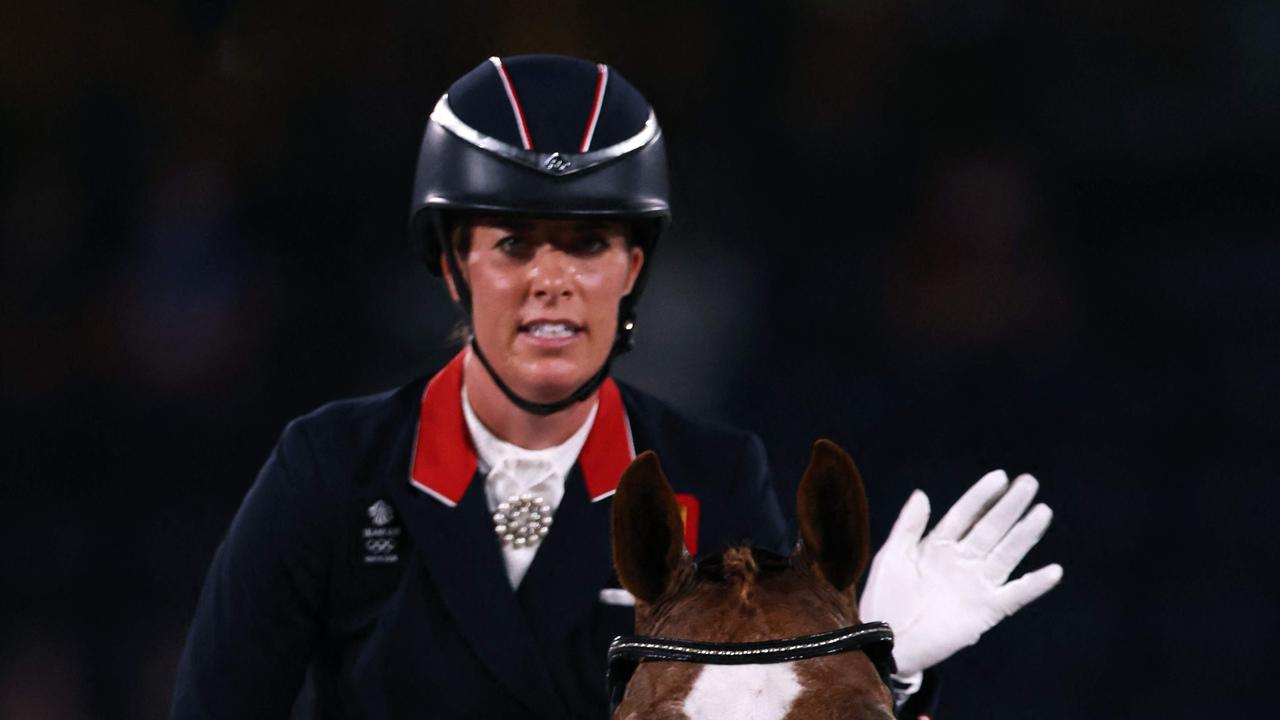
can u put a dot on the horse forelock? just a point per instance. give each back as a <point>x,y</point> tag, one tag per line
<point>739,566</point>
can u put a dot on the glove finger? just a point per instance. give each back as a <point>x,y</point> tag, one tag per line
<point>911,522</point>
<point>1013,547</point>
<point>896,560</point>
<point>970,506</point>
<point>993,525</point>
<point>1014,595</point>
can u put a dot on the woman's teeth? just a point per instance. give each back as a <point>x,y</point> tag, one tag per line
<point>551,330</point>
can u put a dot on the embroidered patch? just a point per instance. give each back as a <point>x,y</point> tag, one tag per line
<point>381,513</point>
<point>380,535</point>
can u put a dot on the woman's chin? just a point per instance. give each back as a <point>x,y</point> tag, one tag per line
<point>550,382</point>
<point>546,391</point>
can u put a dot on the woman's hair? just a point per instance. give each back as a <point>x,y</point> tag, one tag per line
<point>458,234</point>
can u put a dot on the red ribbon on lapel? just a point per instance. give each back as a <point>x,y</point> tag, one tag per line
<point>688,505</point>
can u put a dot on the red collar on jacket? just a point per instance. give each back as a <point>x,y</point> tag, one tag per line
<point>444,460</point>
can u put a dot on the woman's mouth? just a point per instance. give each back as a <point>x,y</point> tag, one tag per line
<point>550,333</point>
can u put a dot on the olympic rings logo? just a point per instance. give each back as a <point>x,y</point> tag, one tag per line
<point>380,546</point>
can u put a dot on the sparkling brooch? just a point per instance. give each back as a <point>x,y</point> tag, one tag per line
<point>522,521</point>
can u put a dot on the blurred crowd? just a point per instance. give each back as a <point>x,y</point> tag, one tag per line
<point>949,236</point>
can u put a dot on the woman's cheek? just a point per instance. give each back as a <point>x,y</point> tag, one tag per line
<point>502,283</point>
<point>610,277</point>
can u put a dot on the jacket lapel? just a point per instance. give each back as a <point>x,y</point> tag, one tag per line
<point>576,559</point>
<point>464,563</point>
<point>572,564</point>
<point>453,534</point>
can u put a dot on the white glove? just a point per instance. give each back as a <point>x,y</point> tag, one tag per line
<point>941,593</point>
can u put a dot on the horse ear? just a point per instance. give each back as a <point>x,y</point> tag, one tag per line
<point>648,535</point>
<point>832,509</point>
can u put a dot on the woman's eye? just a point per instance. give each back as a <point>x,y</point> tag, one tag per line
<point>590,245</point>
<point>511,245</point>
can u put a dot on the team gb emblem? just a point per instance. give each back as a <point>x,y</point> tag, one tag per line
<point>381,513</point>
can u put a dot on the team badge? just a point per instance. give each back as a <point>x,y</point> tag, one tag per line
<point>380,539</point>
<point>381,513</point>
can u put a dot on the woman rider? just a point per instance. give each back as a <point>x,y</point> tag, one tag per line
<point>442,549</point>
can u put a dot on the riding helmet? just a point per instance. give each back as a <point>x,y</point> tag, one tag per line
<point>542,136</point>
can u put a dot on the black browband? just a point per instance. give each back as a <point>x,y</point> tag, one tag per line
<point>626,652</point>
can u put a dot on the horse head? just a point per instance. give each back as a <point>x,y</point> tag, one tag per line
<point>741,602</point>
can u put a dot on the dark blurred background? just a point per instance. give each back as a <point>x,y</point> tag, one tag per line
<point>950,236</point>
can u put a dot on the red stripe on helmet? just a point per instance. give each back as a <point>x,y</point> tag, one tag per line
<point>515,103</point>
<point>601,82</point>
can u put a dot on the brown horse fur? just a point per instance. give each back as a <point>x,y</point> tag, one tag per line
<point>813,593</point>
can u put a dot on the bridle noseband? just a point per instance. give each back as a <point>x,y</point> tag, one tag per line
<point>628,651</point>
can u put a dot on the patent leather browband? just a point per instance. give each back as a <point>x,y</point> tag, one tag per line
<point>626,652</point>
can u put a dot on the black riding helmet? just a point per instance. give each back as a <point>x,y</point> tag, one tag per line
<point>541,136</point>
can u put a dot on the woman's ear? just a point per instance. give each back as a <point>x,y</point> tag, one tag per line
<point>648,535</point>
<point>831,506</point>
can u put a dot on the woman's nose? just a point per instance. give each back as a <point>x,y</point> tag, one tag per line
<point>551,272</point>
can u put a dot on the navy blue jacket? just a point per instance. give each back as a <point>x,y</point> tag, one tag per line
<point>365,552</point>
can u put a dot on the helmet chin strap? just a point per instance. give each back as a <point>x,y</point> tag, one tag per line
<point>621,344</point>
<point>582,393</point>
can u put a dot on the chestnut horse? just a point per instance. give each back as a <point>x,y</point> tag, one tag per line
<point>746,597</point>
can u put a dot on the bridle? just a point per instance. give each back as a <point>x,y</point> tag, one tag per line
<point>626,652</point>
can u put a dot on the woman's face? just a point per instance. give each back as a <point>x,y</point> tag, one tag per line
<point>544,298</point>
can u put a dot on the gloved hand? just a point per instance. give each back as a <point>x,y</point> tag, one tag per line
<point>941,593</point>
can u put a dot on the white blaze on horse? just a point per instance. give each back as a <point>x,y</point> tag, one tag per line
<point>748,635</point>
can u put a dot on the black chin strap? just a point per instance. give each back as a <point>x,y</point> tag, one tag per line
<point>537,408</point>
<point>621,342</point>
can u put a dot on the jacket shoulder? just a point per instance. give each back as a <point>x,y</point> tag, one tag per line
<point>661,422</point>
<point>354,421</point>
<point>353,438</point>
<point>724,467</point>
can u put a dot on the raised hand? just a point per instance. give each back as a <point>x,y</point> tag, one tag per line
<point>940,593</point>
